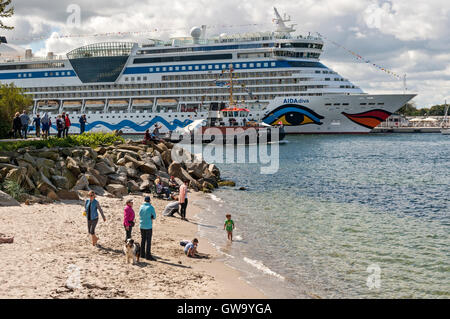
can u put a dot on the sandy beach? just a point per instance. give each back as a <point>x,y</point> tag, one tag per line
<point>51,256</point>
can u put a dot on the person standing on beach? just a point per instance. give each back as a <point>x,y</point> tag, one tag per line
<point>60,125</point>
<point>229,226</point>
<point>92,206</point>
<point>183,199</point>
<point>67,124</point>
<point>25,120</point>
<point>82,121</point>
<point>146,216</point>
<point>37,125</point>
<point>128,218</point>
<point>45,125</point>
<point>17,126</point>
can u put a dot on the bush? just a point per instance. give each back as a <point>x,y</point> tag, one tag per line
<point>14,190</point>
<point>85,139</point>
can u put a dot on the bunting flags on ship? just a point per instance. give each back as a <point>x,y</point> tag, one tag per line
<point>360,58</point>
<point>122,33</point>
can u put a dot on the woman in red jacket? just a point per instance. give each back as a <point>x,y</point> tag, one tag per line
<point>67,125</point>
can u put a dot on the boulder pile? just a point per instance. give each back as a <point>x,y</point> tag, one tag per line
<point>68,173</point>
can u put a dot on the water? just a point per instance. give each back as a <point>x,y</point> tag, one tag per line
<point>339,208</point>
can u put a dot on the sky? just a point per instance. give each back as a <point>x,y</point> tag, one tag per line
<point>409,37</point>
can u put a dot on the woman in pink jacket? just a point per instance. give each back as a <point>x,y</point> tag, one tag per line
<point>128,218</point>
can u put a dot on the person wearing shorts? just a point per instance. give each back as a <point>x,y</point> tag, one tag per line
<point>92,206</point>
<point>229,226</point>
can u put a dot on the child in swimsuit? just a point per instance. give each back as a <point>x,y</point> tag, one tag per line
<point>229,226</point>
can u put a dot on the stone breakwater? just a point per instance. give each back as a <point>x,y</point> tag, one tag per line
<point>53,174</point>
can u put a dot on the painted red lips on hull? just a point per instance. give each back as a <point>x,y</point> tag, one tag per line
<point>370,119</point>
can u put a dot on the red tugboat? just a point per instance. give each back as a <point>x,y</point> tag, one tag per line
<point>230,125</point>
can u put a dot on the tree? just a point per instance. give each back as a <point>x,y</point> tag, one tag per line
<point>12,100</point>
<point>5,12</point>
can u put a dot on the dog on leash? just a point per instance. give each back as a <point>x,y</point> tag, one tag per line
<point>132,251</point>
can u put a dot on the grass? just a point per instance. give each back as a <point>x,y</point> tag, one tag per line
<point>85,139</point>
<point>14,190</point>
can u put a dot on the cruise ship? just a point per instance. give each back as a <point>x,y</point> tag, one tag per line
<point>277,76</point>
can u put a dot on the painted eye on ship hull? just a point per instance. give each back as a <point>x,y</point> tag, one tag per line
<point>292,115</point>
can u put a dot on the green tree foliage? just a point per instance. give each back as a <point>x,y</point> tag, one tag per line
<point>410,109</point>
<point>12,100</point>
<point>85,139</point>
<point>5,12</point>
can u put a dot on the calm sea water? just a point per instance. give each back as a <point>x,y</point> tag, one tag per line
<point>363,216</point>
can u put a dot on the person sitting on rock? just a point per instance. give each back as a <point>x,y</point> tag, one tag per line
<point>147,137</point>
<point>173,185</point>
<point>161,189</point>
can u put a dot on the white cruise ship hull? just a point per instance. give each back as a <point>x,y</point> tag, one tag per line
<point>337,114</point>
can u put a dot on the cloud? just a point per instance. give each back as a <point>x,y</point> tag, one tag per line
<point>407,36</point>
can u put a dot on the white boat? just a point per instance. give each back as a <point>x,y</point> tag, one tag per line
<point>173,83</point>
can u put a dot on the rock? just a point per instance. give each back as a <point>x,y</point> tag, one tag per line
<point>82,184</point>
<point>148,168</point>
<point>207,186</point>
<point>130,147</point>
<point>212,181</point>
<point>92,179</point>
<point>5,159</point>
<point>100,191</point>
<point>102,180</point>
<point>17,175</point>
<point>28,158</point>
<point>121,162</point>
<point>6,200</point>
<point>73,166</point>
<point>6,240</point>
<point>146,186</point>
<point>104,169</point>
<point>52,195</point>
<point>44,162</point>
<point>28,184</point>
<point>167,158</point>
<point>176,170</point>
<point>131,172</point>
<point>68,195</point>
<point>100,150</point>
<point>60,182</point>
<point>117,179</point>
<point>227,183</point>
<point>49,154</point>
<point>133,186</point>
<point>242,188</point>
<point>71,178</point>
<point>214,170</point>
<point>117,189</point>
<point>196,169</point>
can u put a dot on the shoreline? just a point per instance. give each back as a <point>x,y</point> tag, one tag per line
<point>51,247</point>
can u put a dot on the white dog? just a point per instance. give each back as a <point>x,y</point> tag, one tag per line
<point>132,251</point>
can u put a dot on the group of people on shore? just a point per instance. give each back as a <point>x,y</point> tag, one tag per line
<point>21,125</point>
<point>147,214</point>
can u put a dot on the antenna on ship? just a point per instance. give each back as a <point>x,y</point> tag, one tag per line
<point>405,88</point>
<point>282,28</point>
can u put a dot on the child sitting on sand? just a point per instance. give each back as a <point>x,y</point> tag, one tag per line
<point>229,226</point>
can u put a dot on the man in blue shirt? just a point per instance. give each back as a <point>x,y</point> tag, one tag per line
<point>146,216</point>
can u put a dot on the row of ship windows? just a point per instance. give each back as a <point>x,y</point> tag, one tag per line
<point>62,73</point>
<point>208,67</point>
<point>346,104</point>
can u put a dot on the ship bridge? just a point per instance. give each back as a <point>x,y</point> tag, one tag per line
<point>100,62</point>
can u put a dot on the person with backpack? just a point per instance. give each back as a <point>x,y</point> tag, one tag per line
<point>17,126</point>
<point>60,125</point>
<point>82,121</point>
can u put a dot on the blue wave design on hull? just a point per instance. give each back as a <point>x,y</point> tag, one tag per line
<point>133,126</point>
